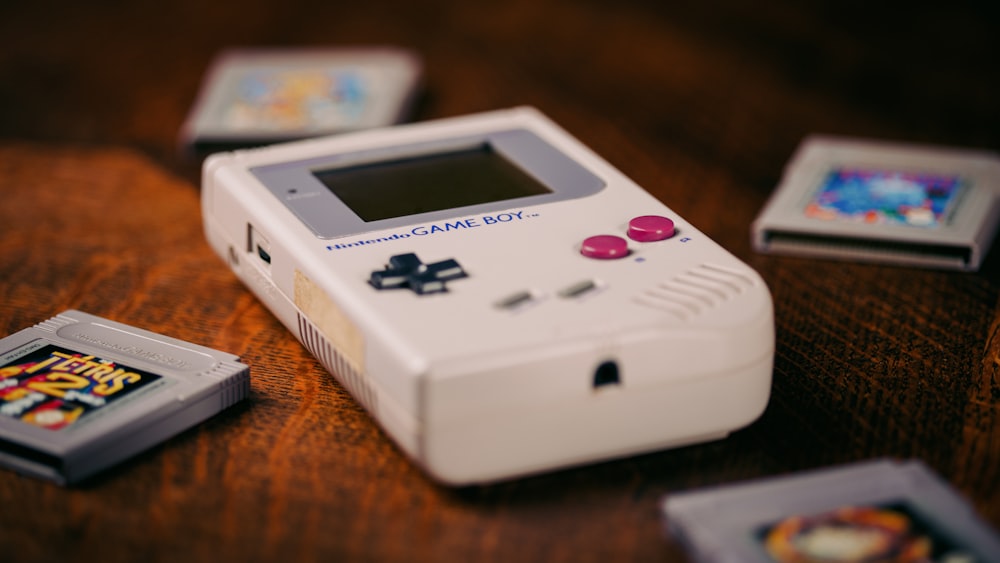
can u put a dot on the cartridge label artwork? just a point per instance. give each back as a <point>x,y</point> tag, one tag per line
<point>54,387</point>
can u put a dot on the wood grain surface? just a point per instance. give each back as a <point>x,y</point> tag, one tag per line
<point>700,104</point>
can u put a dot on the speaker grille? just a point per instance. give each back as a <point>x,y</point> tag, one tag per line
<point>696,291</point>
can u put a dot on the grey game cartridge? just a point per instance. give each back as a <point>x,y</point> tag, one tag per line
<point>885,202</point>
<point>876,510</point>
<point>79,393</point>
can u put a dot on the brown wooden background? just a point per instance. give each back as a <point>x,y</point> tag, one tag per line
<point>701,103</point>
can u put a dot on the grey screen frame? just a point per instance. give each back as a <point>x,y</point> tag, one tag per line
<point>295,184</point>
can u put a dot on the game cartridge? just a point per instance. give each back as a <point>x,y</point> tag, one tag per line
<point>884,202</point>
<point>253,97</point>
<point>79,393</point>
<point>880,510</point>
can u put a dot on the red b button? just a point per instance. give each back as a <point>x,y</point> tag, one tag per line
<point>604,247</point>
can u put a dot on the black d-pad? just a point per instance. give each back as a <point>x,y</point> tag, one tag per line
<point>407,271</point>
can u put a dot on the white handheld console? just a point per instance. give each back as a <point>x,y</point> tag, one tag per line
<point>501,299</point>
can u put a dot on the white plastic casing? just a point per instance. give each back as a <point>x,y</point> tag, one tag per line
<point>475,391</point>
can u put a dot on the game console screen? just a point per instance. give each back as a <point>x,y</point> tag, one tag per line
<point>885,197</point>
<point>421,184</point>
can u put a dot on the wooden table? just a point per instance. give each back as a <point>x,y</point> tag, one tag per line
<point>702,105</point>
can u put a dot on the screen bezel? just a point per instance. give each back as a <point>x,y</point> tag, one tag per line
<point>295,184</point>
